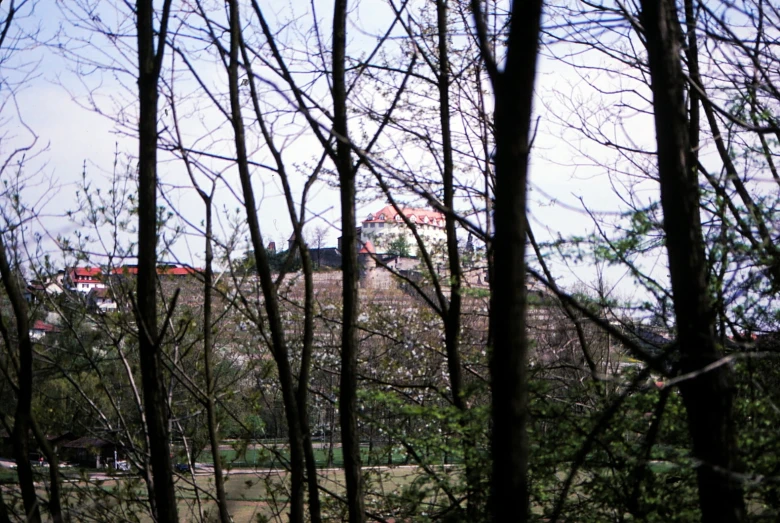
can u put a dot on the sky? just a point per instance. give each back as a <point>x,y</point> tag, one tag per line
<point>55,104</point>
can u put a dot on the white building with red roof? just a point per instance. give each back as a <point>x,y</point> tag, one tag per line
<point>83,279</point>
<point>386,225</point>
<point>39,329</point>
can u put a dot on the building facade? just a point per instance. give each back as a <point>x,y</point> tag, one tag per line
<point>386,230</point>
<point>83,279</point>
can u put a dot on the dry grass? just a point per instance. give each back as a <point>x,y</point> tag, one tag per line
<point>252,495</point>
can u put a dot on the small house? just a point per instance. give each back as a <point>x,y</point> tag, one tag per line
<point>91,452</point>
<point>101,300</point>
<point>41,329</point>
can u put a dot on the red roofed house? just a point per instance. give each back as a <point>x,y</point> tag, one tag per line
<point>83,279</point>
<point>385,225</point>
<point>40,329</point>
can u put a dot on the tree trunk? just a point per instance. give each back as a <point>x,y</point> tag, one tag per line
<point>302,393</point>
<point>55,503</point>
<point>452,314</point>
<point>513,90</point>
<point>21,431</point>
<point>350,440</point>
<point>208,349</point>
<point>149,64</point>
<point>708,396</point>
<point>279,346</point>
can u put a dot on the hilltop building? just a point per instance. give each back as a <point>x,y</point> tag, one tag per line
<point>387,246</point>
<point>386,226</point>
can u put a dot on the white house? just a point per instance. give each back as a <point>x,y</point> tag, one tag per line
<point>100,299</point>
<point>37,289</point>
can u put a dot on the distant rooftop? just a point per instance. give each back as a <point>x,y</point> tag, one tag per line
<point>415,215</point>
<point>368,248</point>
<point>93,273</point>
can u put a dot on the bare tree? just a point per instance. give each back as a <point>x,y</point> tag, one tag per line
<point>208,334</point>
<point>22,416</point>
<point>278,343</point>
<point>708,392</point>
<point>150,58</point>
<point>318,237</point>
<point>350,441</point>
<point>513,91</point>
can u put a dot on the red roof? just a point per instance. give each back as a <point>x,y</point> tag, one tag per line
<point>167,270</point>
<point>84,274</point>
<point>91,274</point>
<point>86,271</point>
<point>178,271</point>
<point>389,214</point>
<point>368,248</point>
<point>125,269</point>
<point>39,325</point>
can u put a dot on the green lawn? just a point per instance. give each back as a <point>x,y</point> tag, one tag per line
<point>267,458</point>
<point>251,496</point>
<point>7,475</point>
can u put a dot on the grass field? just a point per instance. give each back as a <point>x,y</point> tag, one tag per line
<point>7,476</point>
<point>255,487</point>
<point>252,496</point>
<point>258,457</point>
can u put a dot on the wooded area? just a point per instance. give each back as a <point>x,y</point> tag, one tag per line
<point>455,358</point>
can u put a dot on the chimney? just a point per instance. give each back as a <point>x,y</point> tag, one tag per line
<point>272,247</point>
